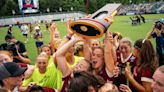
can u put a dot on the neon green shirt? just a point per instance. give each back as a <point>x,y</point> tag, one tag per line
<point>51,78</point>
<point>76,60</point>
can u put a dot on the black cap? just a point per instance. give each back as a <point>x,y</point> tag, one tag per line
<point>10,69</point>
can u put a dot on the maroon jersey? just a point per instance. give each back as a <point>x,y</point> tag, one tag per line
<point>66,82</point>
<point>47,89</point>
<point>121,79</point>
<point>106,75</point>
<point>142,75</point>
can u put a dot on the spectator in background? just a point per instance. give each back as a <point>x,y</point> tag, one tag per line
<point>11,76</point>
<point>158,33</point>
<point>31,29</point>
<point>47,24</point>
<point>158,80</point>
<point>10,31</point>
<point>17,48</point>
<point>138,19</point>
<point>38,36</point>
<point>25,30</point>
<point>142,18</point>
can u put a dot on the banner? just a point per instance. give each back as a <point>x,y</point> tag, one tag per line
<point>28,6</point>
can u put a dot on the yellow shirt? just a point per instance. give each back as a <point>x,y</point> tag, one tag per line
<point>76,59</point>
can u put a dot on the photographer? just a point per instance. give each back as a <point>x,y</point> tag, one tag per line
<point>17,48</point>
<point>158,33</point>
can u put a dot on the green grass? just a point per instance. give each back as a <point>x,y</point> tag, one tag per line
<point>121,24</point>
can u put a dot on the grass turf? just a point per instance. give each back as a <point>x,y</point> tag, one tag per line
<point>121,24</point>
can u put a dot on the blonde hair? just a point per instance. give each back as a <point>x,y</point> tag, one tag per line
<point>43,55</point>
<point>126,40</point>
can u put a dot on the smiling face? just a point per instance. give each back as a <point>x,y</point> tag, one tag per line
<point>47,50</point>
<point>97,58</point>
<point>95,43</point>
<point>158,83</point>
<point>125,49</point>
<point>42,63</point>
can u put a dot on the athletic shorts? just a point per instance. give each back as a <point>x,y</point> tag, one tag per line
<point>38,44</point>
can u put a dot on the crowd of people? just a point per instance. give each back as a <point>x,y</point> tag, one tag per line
<point>79,64</point>
<point>142,8</point>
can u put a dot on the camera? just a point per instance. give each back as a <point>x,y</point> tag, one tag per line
<point>158,25</point>
<point>12,48</point>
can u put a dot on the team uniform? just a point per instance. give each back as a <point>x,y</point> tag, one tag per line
<point>142,75</point>
<point>66,81</point>
<point>121,79</point>
<point>106,75</point>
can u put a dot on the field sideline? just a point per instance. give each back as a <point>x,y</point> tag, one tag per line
<point>121,24</point>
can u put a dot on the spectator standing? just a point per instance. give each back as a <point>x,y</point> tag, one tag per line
<point>10,31</point>
<point>142,18</point>
<point>38,36</point>
<point>17,48</point>
<point>158,33</point>
<point>25,30</point>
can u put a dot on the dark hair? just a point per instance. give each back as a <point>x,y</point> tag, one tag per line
<point>138,44</point>
<point>46,46</point>
<point>158,25</point>
<point>8,36</point>
<point>119,35</point>
<point>82,80</point>
<point>148,56</point>
<point>1,83</point>
<point>90,65</point>
<point>36,89</point>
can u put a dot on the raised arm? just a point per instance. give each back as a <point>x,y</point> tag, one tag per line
<point>69,34</point>
<point>60,56</point>
<point>86,49</point>
<point>53,28</point>
<point>108,52</point>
